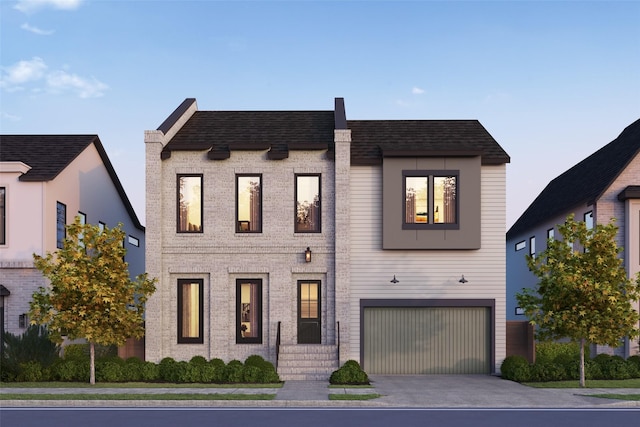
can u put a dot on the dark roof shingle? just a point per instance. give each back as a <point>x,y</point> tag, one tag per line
<point>584,183</point>
<point>48,155</point>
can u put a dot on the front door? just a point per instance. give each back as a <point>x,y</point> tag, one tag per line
<point>309,320</point>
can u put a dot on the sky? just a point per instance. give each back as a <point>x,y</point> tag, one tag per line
<point>552,81</point>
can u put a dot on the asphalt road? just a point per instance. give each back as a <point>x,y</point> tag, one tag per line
<point>313,417</point>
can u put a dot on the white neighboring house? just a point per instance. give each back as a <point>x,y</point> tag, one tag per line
<point>311,239</point>
<point>45,182</point>
<point>603,186</point>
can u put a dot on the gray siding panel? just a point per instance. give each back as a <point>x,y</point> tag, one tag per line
<point>427,340</point>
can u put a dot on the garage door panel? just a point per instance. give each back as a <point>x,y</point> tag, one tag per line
<point>426,340</point>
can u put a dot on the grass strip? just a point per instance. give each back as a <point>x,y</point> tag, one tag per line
<point>632,397</point>
<point>53,384</point>
<point>630,383</point>
<point>350,386</point>
<point>136,396</point>
<point>348,396</point>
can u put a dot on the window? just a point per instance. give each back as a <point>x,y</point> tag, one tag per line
<point>190,311</point>
<point>189,203</point>
<point>61,224</point>
<point>3,216</point>
<point>134,241</point>
<point>521,245</point>
<point>248,203</point>
<point>588,220</point>
<point>101,226</point>
<point>83,220</point>
<point>532,246</point>
<point>308,204</point>
<point>430,198</point>
<point>551,234</point>
<point>249,311</point>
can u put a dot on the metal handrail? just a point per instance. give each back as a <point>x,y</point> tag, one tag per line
<point>338,340</point>
<point>278,345</point>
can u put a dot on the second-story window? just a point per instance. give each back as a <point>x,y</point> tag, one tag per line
<point>588,220</point>
<point>61,224</point>
<point>308,204</point>
<point>189,204</point>
<point>430,198</point>
<point>248,203</point>
<point>532,246</point>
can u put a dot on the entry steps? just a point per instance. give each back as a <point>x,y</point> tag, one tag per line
<point>307,362</point>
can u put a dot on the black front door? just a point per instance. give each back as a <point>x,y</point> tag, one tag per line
<point>309,320</point>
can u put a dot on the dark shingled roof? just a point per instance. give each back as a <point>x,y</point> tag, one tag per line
<point>48,155</point>
<point>584,183</point>
<point>220,131</point>
<point>370,138</point>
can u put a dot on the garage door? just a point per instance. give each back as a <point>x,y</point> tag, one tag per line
<point>427,340</point>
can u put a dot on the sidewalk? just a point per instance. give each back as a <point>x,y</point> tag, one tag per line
<point>427,391</point>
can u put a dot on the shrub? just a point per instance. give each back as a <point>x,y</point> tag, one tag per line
<point>198,360</point>
<point>33,345</point>
<point>592,370</point>
<point>515,368</point>
<point>349,373</point>
<point>547,371</point>
<point>76,352</point>
<point>149,371</point>
<point>109,371</point>
<point>255,360</point>
<point>167,369</point>
<point>252,374</point>
<point>70,370</point>
<point>548,351</point>
<point>32,371</point>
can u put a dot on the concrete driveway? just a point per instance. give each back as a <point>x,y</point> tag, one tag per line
<point>483,391</point>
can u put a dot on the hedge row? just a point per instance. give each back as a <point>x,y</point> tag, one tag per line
<point>564,367</point>
<point>114,369</point>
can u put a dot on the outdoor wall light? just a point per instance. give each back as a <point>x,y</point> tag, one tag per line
<point>307,255</point>
<point>394,280</point>
<point>463,280</point>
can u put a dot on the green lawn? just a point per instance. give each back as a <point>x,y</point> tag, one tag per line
<point>52,384</point>
<point>630,383</point>
<point>348,396</point>
<point>633,397</point>
<point>135,396</point>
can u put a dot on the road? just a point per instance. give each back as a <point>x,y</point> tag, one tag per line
<point>313,417</point>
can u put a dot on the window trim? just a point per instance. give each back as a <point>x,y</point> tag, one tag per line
<point>239,338</point>
<point>532,246</point>
<point>59,208</point>
<point>430,174</point>
<point>189,175</point>
<point>238,228</point>
<point>295,203</point>
<point>3,216</point>
<point>200,338</point>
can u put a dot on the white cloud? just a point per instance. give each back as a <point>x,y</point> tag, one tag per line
<point>31,6</point>
<point>60,81</point>
<point>417,91</point>
<point>35,74</point>
<point>22,72</point>
<point>36,30</point>
<point>9,117</point>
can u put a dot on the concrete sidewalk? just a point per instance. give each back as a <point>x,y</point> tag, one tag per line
<point>426,391</point>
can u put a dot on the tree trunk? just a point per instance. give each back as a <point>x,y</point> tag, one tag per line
<point>582,382</point>
<point>92,358</point>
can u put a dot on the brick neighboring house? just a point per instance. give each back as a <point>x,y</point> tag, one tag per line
<point>603,186</point>
<point>45,182</point>
<point>311,239</point>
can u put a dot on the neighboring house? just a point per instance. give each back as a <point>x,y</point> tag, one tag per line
<point>45,182</point>
<point>311,239</point>
<point>603,186</point>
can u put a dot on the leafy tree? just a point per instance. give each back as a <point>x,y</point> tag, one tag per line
<point>583,294</point>
<point>91,295</point>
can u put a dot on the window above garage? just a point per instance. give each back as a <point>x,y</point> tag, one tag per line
<point>431,202</point>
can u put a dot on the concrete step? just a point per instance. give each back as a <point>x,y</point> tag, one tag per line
<point>308,363</point>
<point>304,377</point>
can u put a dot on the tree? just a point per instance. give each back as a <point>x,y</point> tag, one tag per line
<point>91,295</point>
<point>583,294</point>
